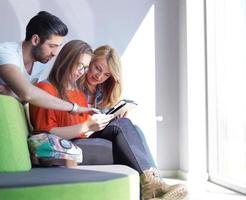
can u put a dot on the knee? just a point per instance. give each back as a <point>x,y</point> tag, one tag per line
<point>122,122</point>
<point>123,126</point>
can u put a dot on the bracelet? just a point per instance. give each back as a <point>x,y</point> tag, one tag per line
<point>75,108</point>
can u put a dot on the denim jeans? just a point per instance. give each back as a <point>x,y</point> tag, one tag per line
<point>128,147</point>
<point>143,139</point>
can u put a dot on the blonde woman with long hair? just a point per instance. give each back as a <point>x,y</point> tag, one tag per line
<point>102,87</point>
<point>103,82</point>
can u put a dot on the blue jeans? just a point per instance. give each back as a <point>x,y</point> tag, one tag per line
<point>141,134</point>
<point>128,146</point>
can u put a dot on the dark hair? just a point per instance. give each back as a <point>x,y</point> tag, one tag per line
<point>44,25</point>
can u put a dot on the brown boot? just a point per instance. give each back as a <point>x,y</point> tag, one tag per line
<point>153,186</point>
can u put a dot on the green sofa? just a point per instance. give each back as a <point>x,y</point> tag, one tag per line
<point>19,180</point>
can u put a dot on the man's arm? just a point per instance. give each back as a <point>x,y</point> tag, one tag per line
<point>4,89</point>
<point>29,93</point>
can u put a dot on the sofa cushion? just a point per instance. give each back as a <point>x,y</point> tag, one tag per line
<point>14,152</point>
<point>96,151</point>
<point>104,182</point>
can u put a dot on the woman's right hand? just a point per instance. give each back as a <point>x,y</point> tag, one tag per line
<point>98,122</point>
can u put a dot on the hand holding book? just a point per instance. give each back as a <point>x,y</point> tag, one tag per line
<point>122,107</point>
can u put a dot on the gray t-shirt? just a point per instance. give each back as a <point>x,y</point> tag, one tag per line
<point>11,53</point>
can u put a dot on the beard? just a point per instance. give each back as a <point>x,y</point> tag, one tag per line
<point>39,55</point>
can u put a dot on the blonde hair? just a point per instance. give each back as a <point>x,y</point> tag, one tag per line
<point>65,63</point>
<point>112,87</point>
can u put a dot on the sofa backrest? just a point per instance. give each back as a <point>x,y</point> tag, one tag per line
<point>14,153</point>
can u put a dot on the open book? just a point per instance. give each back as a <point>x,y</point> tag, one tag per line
<point>121,107</point>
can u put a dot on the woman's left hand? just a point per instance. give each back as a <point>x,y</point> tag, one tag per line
<point>125,114</point>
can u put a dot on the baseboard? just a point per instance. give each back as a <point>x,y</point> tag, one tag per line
<point>183,175</point>
<point>168,173</point>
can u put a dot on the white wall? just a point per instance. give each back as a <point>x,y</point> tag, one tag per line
<point>121,23</point>
<point>183,88</point>
<point>167,83</point>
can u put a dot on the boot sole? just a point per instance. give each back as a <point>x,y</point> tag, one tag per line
<point>178,193</point>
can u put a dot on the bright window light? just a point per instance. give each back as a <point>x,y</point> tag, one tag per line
<point>138,62</point>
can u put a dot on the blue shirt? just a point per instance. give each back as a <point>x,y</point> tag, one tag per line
<point>98,97</point>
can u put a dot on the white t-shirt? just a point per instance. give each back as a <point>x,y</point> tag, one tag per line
<point>11,53</point>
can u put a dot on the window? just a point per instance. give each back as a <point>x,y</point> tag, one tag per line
<point>226,78</point>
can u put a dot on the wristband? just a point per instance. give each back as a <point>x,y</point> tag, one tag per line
<point>75,108</point>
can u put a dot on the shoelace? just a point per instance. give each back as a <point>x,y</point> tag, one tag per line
<point>154,179</point>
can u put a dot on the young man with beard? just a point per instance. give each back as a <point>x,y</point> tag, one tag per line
<point>22,63</point>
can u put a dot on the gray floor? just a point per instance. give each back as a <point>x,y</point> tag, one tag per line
<point>207,191</point>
